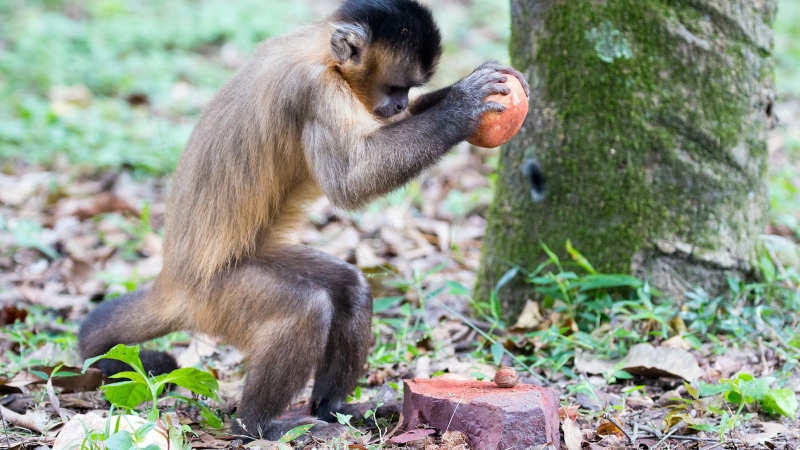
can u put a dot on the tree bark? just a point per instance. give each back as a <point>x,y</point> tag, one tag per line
<point>649,120</point>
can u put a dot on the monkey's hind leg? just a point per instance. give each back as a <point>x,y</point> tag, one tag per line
<point>280,318</point>
<point>129,319</point>
<point>348,341</point>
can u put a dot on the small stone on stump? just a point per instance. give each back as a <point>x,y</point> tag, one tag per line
<point>491,417</point>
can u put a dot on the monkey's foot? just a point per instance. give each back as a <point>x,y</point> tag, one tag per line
<point>155,363</point>
<point>276,429</point>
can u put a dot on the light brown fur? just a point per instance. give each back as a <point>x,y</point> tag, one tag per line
<point>321,111</point>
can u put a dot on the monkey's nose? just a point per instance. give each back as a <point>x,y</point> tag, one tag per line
<point>401,105</point>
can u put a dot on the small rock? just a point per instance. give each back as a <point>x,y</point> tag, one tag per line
<point>669,398</point>
<point>490,417</point>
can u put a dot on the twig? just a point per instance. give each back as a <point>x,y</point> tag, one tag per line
<point>389,435</point>
<point>454,412</point>
<point>608,417</point>
<point>674,430</point>
<point>651,430</point>
<point>5,430</point>
<point>763,356</point>
<point>670,435</point>
<point>55,404</point>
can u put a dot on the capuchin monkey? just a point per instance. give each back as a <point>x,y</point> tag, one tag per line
<point>321,111</point>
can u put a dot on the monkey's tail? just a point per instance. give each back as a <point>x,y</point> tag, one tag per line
<point>129,319</point>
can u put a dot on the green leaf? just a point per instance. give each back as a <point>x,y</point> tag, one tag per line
<point>196,380</point>
<point>127,394</point>
<point>120,352</point>
<point>506,278</point>
<point>744,376</point>
<point>622,375</point>
<point>206,413</point>
<point>579,258</point>
<point>457,288</point>
<point>380,305</point>
<point>130,375</point>
<point>121,440</point>
<point>343,419</point>
<point>692,390</point>
<point>497,353</point>
<point>756,390</point>
<point>153,414</point>
<point>142,431</point>
<point>210,418</point>
<point>607,281</point>
<point>295,433</point>
<point>734,397</point>
<point>781,402</point>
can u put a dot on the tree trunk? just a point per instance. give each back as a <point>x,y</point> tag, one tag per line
<point>649,120</point>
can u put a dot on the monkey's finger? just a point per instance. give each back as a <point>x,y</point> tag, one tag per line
<point>495,88</point>
<point>492,106</point>
<point>509,71</point>
<point>518,75</point>
<point>497,77</point>
<point>494,65</point>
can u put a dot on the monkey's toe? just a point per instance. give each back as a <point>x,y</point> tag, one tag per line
<point>158,363</point>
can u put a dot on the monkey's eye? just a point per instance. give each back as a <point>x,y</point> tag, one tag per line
<point>398,89</point>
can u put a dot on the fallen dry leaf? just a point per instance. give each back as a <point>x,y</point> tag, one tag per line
<point>35,420</point>
<point>606,428</point>
<point>676,341</point>
<point>572,434</point>
<point>11,313</point>
<point>411,436</point>
<point>79,382</point>
<point>648,361</point>
<point>530,318</point>
<point>771,431</point>
<point>588,363</point>
<point>86,208</point>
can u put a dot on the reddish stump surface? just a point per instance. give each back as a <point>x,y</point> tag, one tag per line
<point>491,417</point>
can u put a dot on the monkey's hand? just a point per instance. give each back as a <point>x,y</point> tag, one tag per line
<point>467,98</point>
<point>508,70</point>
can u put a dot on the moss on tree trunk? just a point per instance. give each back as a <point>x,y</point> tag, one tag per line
<point>649,119</point>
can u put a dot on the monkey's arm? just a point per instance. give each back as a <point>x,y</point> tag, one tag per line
<point>428,100</point>
<point>356,160</point>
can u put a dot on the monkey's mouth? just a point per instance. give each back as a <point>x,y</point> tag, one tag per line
<point>395,117</point>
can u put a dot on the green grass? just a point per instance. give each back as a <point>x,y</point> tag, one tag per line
<point>787,47</point>
<point>173,55</point>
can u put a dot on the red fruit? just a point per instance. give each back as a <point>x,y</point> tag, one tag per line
<point>497,128</point>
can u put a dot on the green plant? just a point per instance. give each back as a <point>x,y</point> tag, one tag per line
<point>745,389</point>
<point>120,433</point>
<point>27,234</point>
<point>141,387</point>
<point>601,313</point>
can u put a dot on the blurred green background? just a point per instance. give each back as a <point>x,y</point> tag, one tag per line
<point>106,84</point>
<point>109,83</point>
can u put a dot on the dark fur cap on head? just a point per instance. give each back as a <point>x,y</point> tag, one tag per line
<point>403,25</point>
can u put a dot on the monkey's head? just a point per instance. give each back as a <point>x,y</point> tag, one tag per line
<point>383,48</point>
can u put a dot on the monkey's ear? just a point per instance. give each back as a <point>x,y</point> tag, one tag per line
<point>348,42</point>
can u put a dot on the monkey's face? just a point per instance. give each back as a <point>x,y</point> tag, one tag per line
<point>390,100</point>
<point>382,77</point>
<point>390,81</point>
